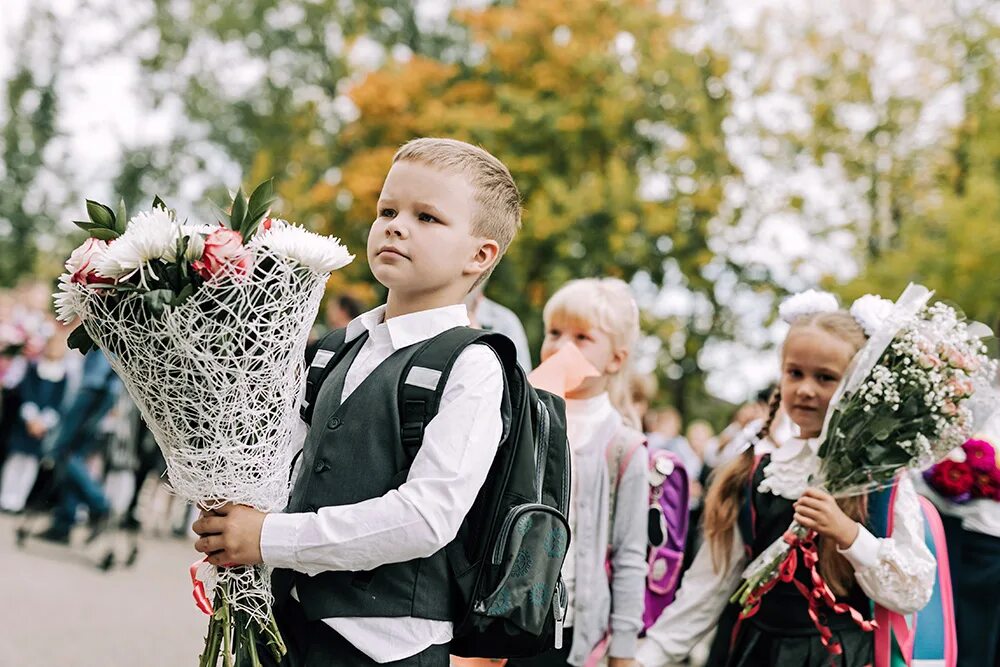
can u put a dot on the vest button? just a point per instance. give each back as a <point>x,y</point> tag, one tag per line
<point>321,466</point>
<point>334,423</point>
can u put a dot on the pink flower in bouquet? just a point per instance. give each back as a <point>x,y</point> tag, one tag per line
<point>223,247</point>
<point>961,388</point>
<point>82,263</point>
<point>980,455</point>
<point>956,359</point>
<point>952,478</point>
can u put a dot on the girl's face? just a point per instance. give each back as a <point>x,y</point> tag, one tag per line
<point>813,362</point>
<point>595,345</point>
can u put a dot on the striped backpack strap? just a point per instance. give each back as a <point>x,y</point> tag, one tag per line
<point>926,638</point>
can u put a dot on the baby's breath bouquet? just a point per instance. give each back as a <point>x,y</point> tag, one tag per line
<point>206,325</point>
<point>910,396</point>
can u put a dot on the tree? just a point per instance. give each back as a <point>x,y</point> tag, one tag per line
<point>953,245</point>
<point>29,127</point>
<point>611,129</point>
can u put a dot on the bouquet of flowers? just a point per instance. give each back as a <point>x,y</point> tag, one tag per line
<point>910,396</point>
<point>970,473</point>
<point>206,325</point>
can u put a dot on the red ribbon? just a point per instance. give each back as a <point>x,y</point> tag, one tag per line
<point>200,597</point>
<point>820,591</point>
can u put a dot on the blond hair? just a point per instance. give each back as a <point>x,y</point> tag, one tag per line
<point>606,304</point>
<point>728,486</point>
<point>499,203</point>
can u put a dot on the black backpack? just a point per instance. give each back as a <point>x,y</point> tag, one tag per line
<point>507,557</point>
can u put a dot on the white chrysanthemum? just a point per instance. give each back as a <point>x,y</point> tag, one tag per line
<point>871,311</point>
<point>150,235</point>
<point>322,254</point>
<point>70,300</point>
<point>809,302</point>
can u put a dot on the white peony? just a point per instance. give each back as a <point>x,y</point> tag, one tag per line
<point>322,254</point>
<point>809,302</point>
<point>871,312</point>
<point>150,235</point>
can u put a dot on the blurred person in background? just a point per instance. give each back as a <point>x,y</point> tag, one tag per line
<point>41,394</point>
<point>491,316</point>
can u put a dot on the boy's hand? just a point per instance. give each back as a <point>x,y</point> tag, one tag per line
<point>230,535</point>
<point>817,510</point>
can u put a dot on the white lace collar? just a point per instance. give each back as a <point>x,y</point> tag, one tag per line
<point>792,465</point>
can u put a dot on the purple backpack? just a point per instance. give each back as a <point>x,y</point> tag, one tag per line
<point>667,522</point>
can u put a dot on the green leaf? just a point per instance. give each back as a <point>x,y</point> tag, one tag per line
<point>104,234</point>
<point>158,299</point>
<point>85,226</point>
<point>260,203</point>
<point>80,340</point>
<point>183,295</point>
<point>101,214</point>
<point>238,211</point>
<point>159,203</point>
<point>121,220</point>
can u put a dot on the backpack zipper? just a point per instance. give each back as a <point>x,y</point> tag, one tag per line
<point>542,451</point>
<point>508,524</point>
<point>559,612</point>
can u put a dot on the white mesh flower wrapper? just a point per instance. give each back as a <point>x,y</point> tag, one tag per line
<point>217,380</point>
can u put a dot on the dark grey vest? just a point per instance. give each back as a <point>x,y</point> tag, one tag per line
<point>354,452</point>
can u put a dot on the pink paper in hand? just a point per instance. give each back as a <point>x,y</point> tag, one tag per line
<point>563,372</point>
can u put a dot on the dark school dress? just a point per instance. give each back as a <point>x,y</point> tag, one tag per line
<point>781,633</point>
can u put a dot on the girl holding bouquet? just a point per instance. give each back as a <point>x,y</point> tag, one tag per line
<point>753,501</point>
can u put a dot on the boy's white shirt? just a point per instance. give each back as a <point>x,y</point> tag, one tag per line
<point>423,514</point>
<point>896,572</point>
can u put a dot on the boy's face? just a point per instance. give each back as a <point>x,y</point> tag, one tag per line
<point>421,242</point>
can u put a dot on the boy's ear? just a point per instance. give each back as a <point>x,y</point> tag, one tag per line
<point>485,257</point>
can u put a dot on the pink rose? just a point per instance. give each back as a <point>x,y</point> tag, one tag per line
<point>223,247</point>
<point>82,263</point>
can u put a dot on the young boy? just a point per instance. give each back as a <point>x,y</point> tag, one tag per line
<point>362,576</point>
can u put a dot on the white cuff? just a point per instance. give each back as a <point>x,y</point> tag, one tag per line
<point>278,539</point>
<point>863,552</point>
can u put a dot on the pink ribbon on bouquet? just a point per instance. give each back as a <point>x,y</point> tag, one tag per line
<point>198,588</point>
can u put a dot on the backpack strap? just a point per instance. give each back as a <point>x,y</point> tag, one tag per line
<point>619,454</point>
<point>424,378</point>
<point>321,359</point>
<point>897,635</point>
<point>746,520</point>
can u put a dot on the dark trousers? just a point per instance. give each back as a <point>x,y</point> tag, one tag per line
<point>975,577</point>
<point>554,657</point>
<point>316,644</point>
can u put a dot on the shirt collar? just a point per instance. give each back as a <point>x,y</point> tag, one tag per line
<point>405,330</point>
